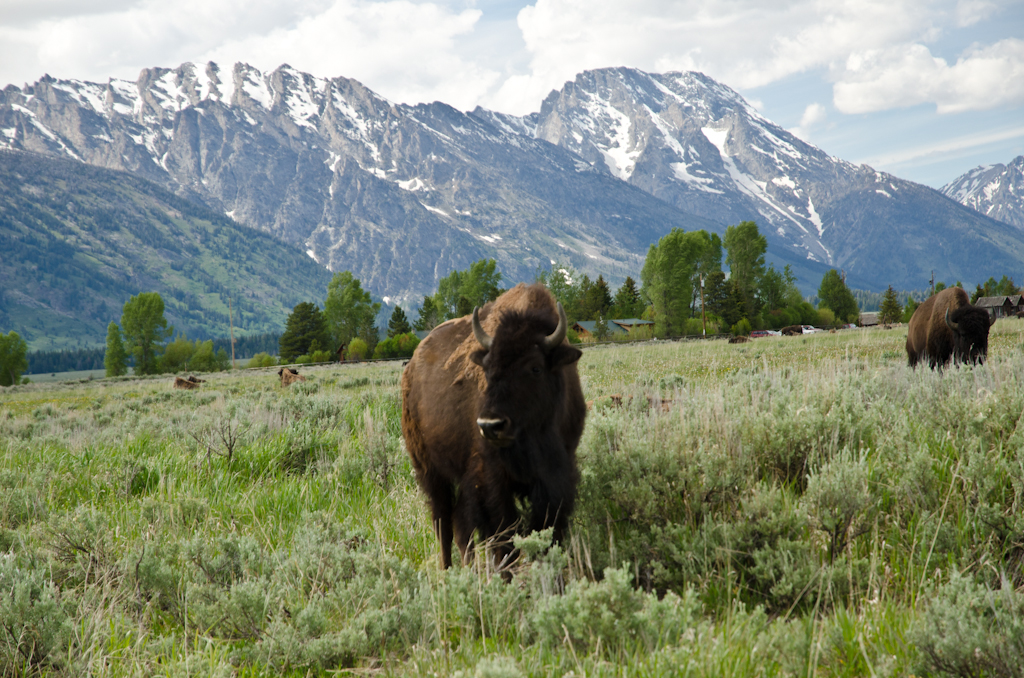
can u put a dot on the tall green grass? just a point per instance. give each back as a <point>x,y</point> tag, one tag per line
<point>791,506</point>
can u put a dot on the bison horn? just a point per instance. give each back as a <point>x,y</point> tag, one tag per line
<point>952,325</point>
<point>556,337</point>
<point>482,337</point>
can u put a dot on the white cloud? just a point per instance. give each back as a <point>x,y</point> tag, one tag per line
<point>908,75</point>
<point>743,43</point>
<point>405,50</point>
<point>937,149</point>
<point>813,118</point>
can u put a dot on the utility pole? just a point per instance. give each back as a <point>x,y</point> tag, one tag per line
<point>703,316</point>
<point>231,323</point>
<point>932,281</point>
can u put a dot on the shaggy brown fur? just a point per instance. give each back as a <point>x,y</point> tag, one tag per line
<point>473,482</point>
<point>739,340</point>
<point>186,384</point>
<point>930,338</point>
<point>792,330</point>
<point>289,376</point>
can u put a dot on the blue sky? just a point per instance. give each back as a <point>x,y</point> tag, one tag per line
<point>924,89</point>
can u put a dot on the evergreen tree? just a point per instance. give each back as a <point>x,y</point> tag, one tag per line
<point>627,302</point>
<point>349,311</point>
<point>115,360</point>
<point>908,310</point>
<point>595,299</point>
<point>745,248</point>
<point>601,329</point>
<point>145,328</point>
<point>13,362</point>
<point>890,310</point>
<point>398,324</point>
<point>430,316</point>
<point>306,325</point>
<point>833,294</point>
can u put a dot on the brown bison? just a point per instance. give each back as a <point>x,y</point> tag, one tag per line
<point>740,339</point>
<point>190,383</point>
<point>289,376</point>
<point>946,326</point>
<point>492,412</point>
<point>187,384</point>
<point>792,330</point>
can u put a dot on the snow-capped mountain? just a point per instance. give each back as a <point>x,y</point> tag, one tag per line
<point>400,195</point>
<point>996,191</point>
<point>698,145</point>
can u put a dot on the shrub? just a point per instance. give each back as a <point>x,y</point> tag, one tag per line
<point>262,360</point>
<point>742,328</point>
<point>826,318</point>
<point>37,628</point>
<point>320,357</point>
<point>357,350</point>
<point>970,630</point>
<point>398,346</point>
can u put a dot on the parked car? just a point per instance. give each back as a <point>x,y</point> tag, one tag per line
<point>759,333</point>
<point>810,329</point>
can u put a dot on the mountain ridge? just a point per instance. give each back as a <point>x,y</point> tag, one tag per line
<point>995,190</point>
<point>78,240</point>
<point>401,194</point>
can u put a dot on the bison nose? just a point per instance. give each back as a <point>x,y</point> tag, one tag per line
<point>494,428</point>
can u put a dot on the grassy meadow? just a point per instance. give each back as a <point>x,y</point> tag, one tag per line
<point>788,507</point>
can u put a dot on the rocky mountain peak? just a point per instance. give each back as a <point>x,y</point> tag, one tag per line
<point>996,191</point>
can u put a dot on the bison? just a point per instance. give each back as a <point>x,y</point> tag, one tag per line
<point>289,376</point>
<point>187,384</point>
<point>946,326</point>
<point>492,412</point>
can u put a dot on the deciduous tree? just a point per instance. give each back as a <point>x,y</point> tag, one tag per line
<point>835,295</point>
<point>145,328</point>
<point>349,310</point>
<point>745,248</point>
<point>670,273</point>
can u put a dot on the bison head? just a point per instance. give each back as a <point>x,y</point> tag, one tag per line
<point>523,364</point>
<point>969,325</point>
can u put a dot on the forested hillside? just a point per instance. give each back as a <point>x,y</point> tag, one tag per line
<point>78,241</point>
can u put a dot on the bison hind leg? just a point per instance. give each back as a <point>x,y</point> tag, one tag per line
<point>441,495</point>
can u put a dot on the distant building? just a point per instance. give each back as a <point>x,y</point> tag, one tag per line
<point>868,319</point>
<point>587,329</point>
<point>617,328</point>
<point>1002,307</point>
<point>629,324</point>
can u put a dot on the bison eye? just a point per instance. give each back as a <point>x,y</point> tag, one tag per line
<point>535,369</point>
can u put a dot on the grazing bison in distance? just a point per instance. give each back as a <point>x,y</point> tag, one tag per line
<point>492,412</point>
<point>191,383</point>
<point>946,326</point>
<point>289,376</point>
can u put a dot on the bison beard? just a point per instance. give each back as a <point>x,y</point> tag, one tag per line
<point>946,326</point>
<point>492,412</point>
